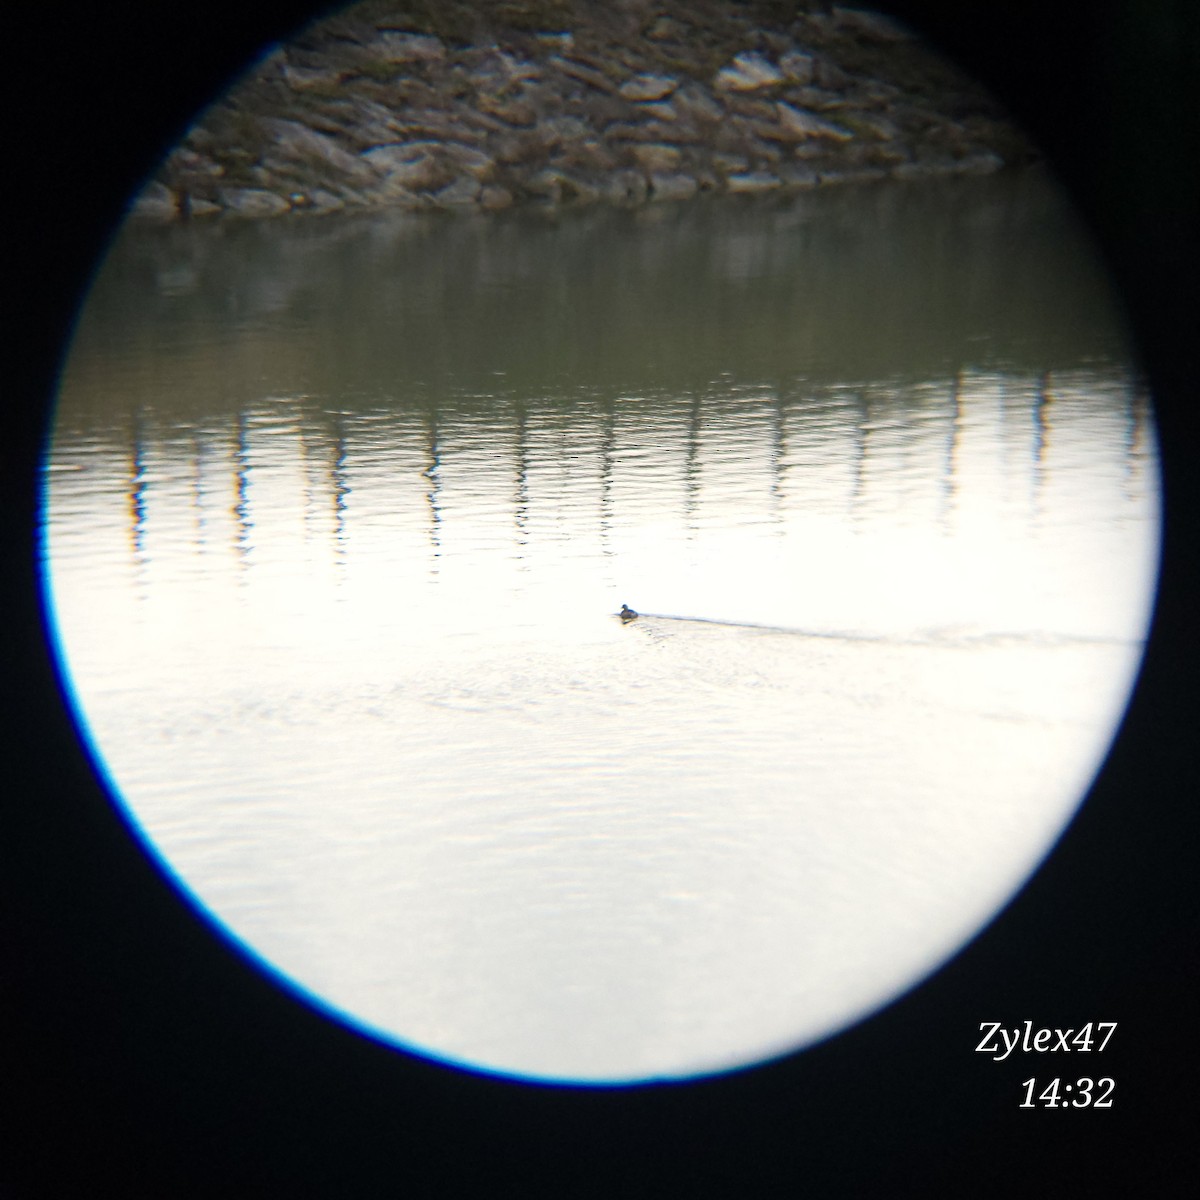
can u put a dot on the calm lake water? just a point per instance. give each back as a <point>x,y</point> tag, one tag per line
<point>339,515</point>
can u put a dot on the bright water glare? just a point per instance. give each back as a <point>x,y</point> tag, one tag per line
<point>340,514</point>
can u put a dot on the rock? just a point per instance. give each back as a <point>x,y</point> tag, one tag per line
<point>560,130</point>
<point>672,186</point>
<point>510,109</point>
<point>925,168</point>
<point>882,128</point>
<point>464,190</point>
<point>252,202</point>
<point>662,110</point>
<point>886,154</point>
<point>361,122</point>
<point>546,184</point>
<point>413,165</point>
<point>756,138</point>
<point>467,159</point>
<point>303,79</point>
<point>518,148</point>
<point>625,187</point>
<point>394,47</point>
<point>871,26</point>
<point>494,197</point>
<point>295,140</point>
<point>804,124</point>
<point>395,155</point>
<point>388,191</point>
<point>981,162</point>
<point>753,182</point>
<point>577,189</point>
<point>750,106</point>
<point>648,87</point>
<point>589,155</point>
<point>559,186</point>
<point>747,73</point>
<point>518,70</point>
<point>666,29</point>
<point>814,98</point>
<point>194,206</point>
<point>797,67</point>
<point>583,73</point>
<point>624,105</point>
<point>657,156</point>
<point>436,124</point>
<point>830,76</point>
<point>797,176</point>
<point>693,100</point>
<point>644,131</point>
<point>156,202</point>
<point>875,91</point>
<point>730,164</point>
<point>191,164</point>
<point>830,175</point>
<point>321,201</point>
<point>477,124</point>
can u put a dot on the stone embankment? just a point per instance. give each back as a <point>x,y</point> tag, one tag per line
<point>480,105</point>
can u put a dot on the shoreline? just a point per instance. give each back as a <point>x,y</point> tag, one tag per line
<point>465,106</point>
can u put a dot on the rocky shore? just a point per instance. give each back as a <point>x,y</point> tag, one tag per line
<point>481,104</point>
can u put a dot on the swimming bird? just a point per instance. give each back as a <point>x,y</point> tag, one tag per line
<point>627,613</point>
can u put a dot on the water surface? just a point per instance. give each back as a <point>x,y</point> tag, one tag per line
<point>340,513</point>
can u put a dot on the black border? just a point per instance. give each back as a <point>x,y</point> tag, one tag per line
<point>139,1053</point>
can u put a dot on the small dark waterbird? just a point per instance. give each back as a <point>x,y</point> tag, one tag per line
<point>627,613</point>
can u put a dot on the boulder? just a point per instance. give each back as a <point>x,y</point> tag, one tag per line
<point>871,26</point>
<point>156,202</point>
<point>297,141</point>
<point>563,130</point>
<point>828,175</point>
<point>747,73</point>
<point>797,67</point>
<point>657,156</point>
<point>694,101</point>
<point>666,29</point>
<point>559,186</point>
<point>512,110</point>
<point>830,76</point>
<point>194,206</point>
<point>628,106</point>
<point>252,202</point>
<point>582,73</point>
<point>469,160</point>
<point>925,168</point>
<point>648,87</point>
<point>980,162</point>
<point>753,182</point>
<point>878,126</point>
<point>589,155</point>
<point>321,201</point>
<point>730,164</point>
<point>392,46</point>
<point>303,79</point>
<point>494,197</point>
<point>463,190</point>
<point>625,187</point>
<point>796,176</point>
<point>578,189</point>
<point>803,124</point>
<point>414,165</point>
<point>672,185</point>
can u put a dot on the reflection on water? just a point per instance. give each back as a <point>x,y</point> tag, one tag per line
<point>340,514</point>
